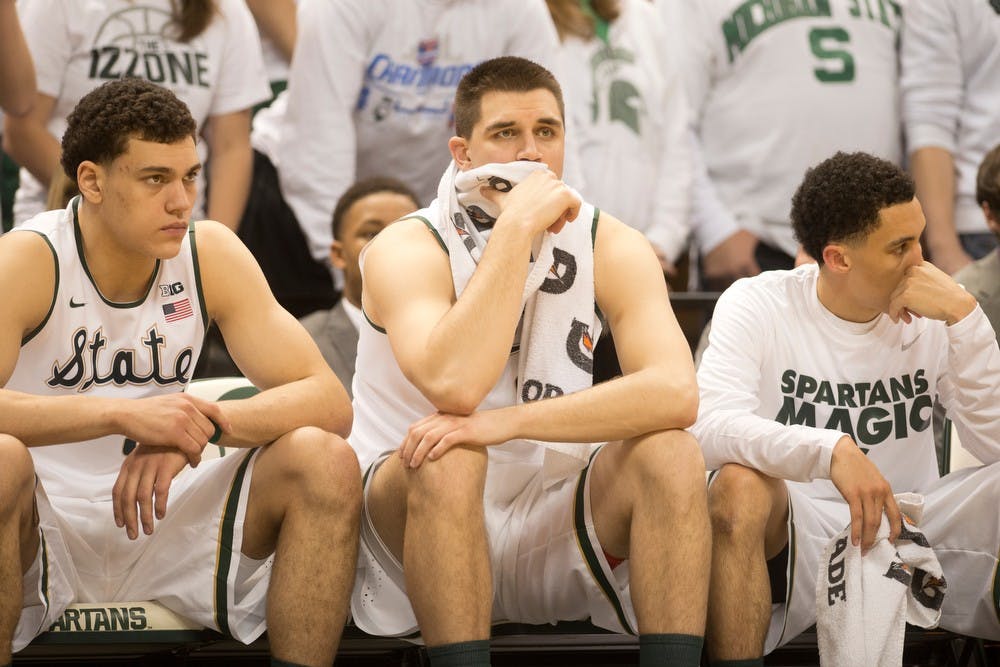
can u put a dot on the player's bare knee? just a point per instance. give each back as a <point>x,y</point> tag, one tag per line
<point>668,463</point>
<point>452,483</point>
<point>740,501</point>
<point>17,475</point>
<point>321,464</point>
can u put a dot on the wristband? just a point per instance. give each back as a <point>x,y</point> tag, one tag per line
<point>216,436</point>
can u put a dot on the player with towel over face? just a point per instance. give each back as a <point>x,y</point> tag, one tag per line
<point>489,492</point>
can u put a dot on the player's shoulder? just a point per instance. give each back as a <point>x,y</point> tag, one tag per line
<point>213,237</point>
<point>771,290</point>
<point>608,230</point>
<point>26,253</point>
<point>29,277</point>
<point>414,234</point>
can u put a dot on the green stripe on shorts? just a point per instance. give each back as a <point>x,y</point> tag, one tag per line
<point>225,554</point>
<point>592,558</point>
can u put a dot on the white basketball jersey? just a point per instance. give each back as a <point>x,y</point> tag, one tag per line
<point>90,345</point>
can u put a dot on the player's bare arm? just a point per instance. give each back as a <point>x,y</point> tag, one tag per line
<point>27,139</point>
<point>934,170</point>
<point>268,345</point>
<point>454,351</point>
<point>228,138</point>
<point>656,392</point>
<point>17,73</point>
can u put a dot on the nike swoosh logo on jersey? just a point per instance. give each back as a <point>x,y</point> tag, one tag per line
<point>73,304</point>
<point>907,346</point>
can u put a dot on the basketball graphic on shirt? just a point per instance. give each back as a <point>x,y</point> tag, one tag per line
<point>138,28</point>
<point>141,42</point>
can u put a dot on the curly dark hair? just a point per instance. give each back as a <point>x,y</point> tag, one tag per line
<point>362,189</point>
<point>988,181</point>
<point>506,74</point>
<point>99,128</point>
<point>840,199</point>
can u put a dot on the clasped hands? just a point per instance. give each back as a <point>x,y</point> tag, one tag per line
<point>171,432</point>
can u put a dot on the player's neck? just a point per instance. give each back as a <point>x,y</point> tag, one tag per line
<point>835,295</point>
<point>120,275</point>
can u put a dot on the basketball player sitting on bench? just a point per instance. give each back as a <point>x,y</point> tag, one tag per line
<point>104,308</point>
<point>484,502</point>
<point>816,395</point>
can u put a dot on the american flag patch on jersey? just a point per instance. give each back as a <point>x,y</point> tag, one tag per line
<point>177,310</point>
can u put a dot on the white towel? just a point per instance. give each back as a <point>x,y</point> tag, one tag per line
<point>559,324</point>
<point>863,604</point>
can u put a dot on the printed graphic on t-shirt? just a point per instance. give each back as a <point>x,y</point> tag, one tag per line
<point>616,98</point>
<point>870,412</point>
<point>417,87</point>
<point>138,42</point>
<point>830,43</point>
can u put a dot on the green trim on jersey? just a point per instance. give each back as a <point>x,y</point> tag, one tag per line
<point>590,555</point>
<point>197,276</point>
<point>55,291</point>
<point>369,321</point>
<point>433,231</point>
<point>593,244</point>
<point>593,227</point>
<point>224,556</point>
<point>86,269</point>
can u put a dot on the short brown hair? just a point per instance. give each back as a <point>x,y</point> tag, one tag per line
<point>988,180</point>
<point>507,74</point>
<point>104,120</point>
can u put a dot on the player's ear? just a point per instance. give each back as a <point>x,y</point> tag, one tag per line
<point>837,257</point>
<point>90,180</point>
<point>337,255</point>
<point>459,148</point>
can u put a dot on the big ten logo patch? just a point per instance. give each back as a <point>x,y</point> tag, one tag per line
<point>171,289</point>
<point>869,412</point>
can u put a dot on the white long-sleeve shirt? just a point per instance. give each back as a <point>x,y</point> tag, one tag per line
<point>775,88</point>
<point>951,88</point>
<point>783,379</point>
<point>627,100</point>
<point>370,93</point>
